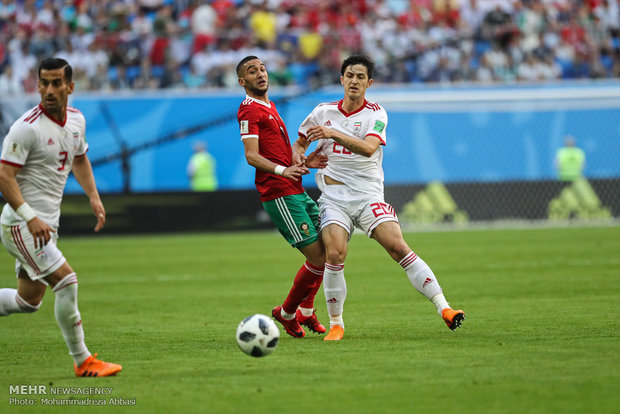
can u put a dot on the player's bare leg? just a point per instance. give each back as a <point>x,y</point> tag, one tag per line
<point>335,239</point>
<point>389,235</point>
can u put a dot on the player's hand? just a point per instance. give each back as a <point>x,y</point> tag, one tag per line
<point>316,159</point>
<point>299,159</point>
<point>318,132</point>
<point>99,211</point>
<point>294,172</point>
<point>41,232</point>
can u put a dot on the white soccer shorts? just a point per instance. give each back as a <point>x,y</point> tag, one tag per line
<point>349,209</point>
<point>38,263</point>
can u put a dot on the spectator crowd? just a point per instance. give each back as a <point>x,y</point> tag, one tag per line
<point>149,44</point>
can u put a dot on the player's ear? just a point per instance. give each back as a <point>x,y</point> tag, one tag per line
<point>369,83</point>
<point>342,80</point>
<point>241,81</point>
<point>71,87</point>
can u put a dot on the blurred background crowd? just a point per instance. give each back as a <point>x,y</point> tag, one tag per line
<point>150,44</point>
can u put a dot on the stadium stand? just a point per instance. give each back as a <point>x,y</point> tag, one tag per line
<point>146,44</point>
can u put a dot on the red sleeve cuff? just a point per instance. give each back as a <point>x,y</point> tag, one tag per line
<point>378,136</point>
<point>81,155</point>
<point>12,164</point>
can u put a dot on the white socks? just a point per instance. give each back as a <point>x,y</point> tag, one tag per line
<point>335,289</point>
<point>11,302</point>
<point>69,319</point>
<point>423,279</point>
<point>440,302</point>
<point>286,315</point>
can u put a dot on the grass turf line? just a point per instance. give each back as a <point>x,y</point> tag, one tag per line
<point>541,335</point>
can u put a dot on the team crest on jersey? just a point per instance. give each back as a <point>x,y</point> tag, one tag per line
<point>244,126</point>
<point>357,127</point>
<point>40,253</point>
<point>305,228</point>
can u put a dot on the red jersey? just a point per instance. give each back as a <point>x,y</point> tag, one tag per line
<point>258,119</point>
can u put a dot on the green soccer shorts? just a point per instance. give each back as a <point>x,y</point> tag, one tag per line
<point>296,217</point>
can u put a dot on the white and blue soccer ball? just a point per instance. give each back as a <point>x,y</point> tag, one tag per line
<point>257,335</point>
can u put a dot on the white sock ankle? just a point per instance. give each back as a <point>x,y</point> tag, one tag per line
<point>286,315</point>
<point>69,319</point>
<point>336,320</point>
<point>335,289</point>
<point>306,311</point>
<point>440,302</point>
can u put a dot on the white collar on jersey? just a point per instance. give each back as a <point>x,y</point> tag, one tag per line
<point>268,105</point>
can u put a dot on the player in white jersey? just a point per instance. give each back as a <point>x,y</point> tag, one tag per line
<point>40,150</point>
<point>351,133</point>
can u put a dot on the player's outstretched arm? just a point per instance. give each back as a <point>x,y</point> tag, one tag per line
<point>83,172</point>
<point>299,151</point>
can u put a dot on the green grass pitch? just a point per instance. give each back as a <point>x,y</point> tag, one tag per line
<point>541,334</point>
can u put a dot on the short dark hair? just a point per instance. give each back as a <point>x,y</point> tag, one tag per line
<point>359,59</point>
<point>243,62</point>
<point>56,63</point>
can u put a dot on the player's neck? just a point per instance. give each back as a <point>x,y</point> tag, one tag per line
<point>351,105</point>
<point>59,115</point>
<point>264,98</point>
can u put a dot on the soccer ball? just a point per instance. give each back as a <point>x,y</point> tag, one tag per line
<point>257,335</point>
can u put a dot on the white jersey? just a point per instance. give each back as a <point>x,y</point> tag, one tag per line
<point>363,174</point>
<point>44,150</point>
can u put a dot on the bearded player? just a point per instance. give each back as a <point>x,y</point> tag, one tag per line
<point>278,180</point>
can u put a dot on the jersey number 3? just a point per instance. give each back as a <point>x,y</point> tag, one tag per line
<point>63,159</point>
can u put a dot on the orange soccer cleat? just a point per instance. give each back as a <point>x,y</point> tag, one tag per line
<point>93,367</point>
<point>336,333</point>
<point>453,318</point>
<point>310,321</point>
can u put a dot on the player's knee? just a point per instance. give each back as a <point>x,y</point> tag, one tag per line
<point>398,249</point>
<point>336,256</point>
<point>29,304</point>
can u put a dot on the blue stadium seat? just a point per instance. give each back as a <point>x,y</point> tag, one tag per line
<point>132,73</point>
<point>157,71</point>
<point>185,70</point>
<point>481,47</point>
<point>112,73</point>
<point>608,63</point>
<point>568,72</point>
<point>474,62</point>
